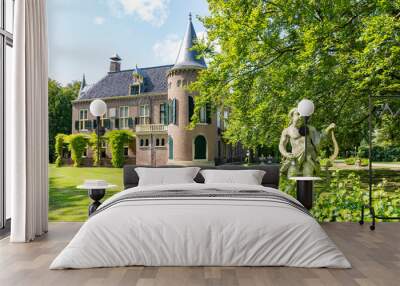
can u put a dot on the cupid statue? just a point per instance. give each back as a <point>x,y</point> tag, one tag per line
<point>294,162</point>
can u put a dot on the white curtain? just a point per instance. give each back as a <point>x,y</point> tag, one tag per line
<point>27,123</point>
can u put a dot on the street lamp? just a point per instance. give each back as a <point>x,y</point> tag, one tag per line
<point>306,109</point>
<point>98,108</point>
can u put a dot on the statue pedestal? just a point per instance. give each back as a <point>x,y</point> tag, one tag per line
<point>304,190</point>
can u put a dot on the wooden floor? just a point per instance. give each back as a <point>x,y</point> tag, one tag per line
<point>375,257</point>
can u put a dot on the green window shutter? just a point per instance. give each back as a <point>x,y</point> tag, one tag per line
<point>191,108</point>
<point>76,124</point>
<point>130,122</point>
<point>117,123</point>
<point>88,124</point>
<point>174,103</point>
<point>94,124</point>
<point>107,123</point>
<point>170,148</point>
<point>208,113</point>
<point>170,112</point>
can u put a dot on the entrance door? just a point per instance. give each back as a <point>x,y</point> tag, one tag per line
<point>200,148</point>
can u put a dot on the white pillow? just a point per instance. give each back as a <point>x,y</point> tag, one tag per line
<point>247,177</point>
<point>166,176</point>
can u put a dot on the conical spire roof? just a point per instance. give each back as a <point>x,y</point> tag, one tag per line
<point>188,58</point>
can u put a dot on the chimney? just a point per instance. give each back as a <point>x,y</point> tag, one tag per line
<point>115,63</point>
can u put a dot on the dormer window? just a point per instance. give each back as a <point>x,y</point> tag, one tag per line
<point>135,89</point>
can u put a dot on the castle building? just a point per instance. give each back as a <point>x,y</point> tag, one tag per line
<point>155,103</point>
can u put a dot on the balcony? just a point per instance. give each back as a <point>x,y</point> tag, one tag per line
<point>151,128</point>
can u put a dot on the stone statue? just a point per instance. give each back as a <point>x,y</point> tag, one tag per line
<point>293,161</point>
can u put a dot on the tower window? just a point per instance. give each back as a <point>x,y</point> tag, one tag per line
<point>135,89</point>
<point>157,142</point>
<point>141,142</point>
<point>147,142</point>
<point>162,142</point>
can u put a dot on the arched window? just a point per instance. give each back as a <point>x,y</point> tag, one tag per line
<point>147,142</point>
<point>162,142</point>
<point>141,142</point>
<point>170,148</point>
<point>200,148</point>
<point>157,142</point>
<point>191,107</point>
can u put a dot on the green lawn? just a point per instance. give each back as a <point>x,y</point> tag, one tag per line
<point>66,203</point>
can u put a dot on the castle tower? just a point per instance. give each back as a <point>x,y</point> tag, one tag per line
<point>188,147</point>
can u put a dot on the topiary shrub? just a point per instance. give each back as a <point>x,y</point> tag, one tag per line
<point>77,144</point>
<point>93,146</point>
<point>59,145</point>
<point>116,141</point>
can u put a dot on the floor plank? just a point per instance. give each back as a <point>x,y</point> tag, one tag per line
<point>375,257</point>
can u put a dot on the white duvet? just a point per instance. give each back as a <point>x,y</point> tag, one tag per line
<point>202,232</point>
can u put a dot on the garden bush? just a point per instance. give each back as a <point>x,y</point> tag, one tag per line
<point>381,154</point>
<point>116,141</point>
<point>350,161</point>
<point>343,199</point>
<point>77,145</point>
<point>59,146</point>
<point>326,162</point>
<point>93,146</point>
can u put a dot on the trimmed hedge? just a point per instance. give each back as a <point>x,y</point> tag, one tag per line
<point>116,141</point>
<point>59,145</point>
<point>77,145</point>
<point>381,154</point>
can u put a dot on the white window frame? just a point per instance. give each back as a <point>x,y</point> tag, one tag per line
<point>83,119</point>
<point>144,114</point>
<point>124,117</point>
<point>203,115</point>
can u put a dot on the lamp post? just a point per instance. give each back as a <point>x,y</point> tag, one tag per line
<point>306,109</point>
<point>98,108</point>
<point>304,190</point>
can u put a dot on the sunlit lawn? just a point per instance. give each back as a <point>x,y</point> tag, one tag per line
<point>66,203</point>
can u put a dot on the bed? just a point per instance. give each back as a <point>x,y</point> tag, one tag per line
<point>198,224</point>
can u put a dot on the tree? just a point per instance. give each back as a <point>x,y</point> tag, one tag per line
<point>60,111</point>
<point>274,53</point>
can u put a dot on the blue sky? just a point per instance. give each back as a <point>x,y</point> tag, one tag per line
<point>84,34</point>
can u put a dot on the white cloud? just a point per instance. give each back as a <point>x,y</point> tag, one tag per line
<point>167,49</point>
<point>151,11</point>
<point>99,20</point>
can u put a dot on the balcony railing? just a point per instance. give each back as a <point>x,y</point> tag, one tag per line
<point>151,128</point>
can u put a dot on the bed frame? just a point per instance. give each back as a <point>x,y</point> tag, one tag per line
<point>270,179</point>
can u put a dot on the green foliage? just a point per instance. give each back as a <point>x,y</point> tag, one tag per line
<point>380,153</point>
<point>59,146</point>
<point>344,197</point>
<point>364,162</point>
<point>350,161</point>
<point>116,141</point>
<point>77,144</point>
<point>273,53</point>
<point>93,146</point>
<point>326,162</point>
<point>60,111</point>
